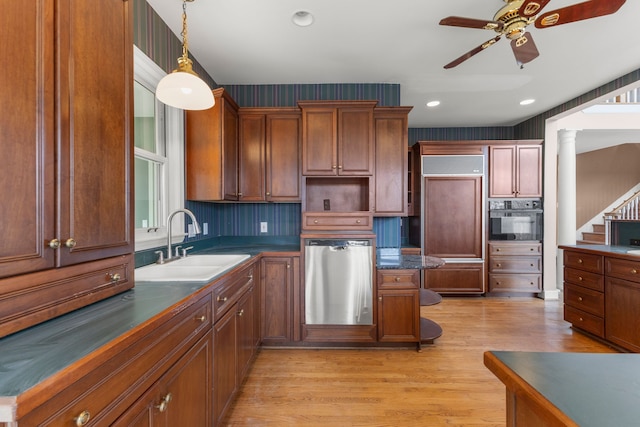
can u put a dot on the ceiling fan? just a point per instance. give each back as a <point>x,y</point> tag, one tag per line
<point>513,19</point>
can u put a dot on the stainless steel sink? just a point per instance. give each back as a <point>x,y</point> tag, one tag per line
<point>195,268</point>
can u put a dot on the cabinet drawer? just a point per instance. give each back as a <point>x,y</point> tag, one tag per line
<point>337,221</point>
<point>623,269</point>
<point>583,320</point>
<point>126,371</point>
<point>515,282</point>
<point>584,299</point>
<point>396,279</point>
<point>503,248</point>
<point>584,278</point>
<point>583,261</point>
<point>226,294</point>
<point>516,264</point>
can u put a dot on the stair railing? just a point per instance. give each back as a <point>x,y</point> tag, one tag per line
<point>627,210</point>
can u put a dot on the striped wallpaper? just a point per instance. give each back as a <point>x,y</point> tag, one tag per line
<point>157,41</point>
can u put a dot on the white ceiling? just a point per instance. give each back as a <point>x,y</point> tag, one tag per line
<point>375,41</point>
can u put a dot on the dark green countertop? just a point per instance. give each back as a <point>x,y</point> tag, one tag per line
<point>32,355</point>
<point>593,389</point>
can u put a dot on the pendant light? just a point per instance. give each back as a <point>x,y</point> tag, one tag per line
<point>182,88</point>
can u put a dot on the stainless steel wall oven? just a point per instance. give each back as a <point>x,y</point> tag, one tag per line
<point>515,219</point>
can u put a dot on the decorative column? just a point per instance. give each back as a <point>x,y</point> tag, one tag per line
<point>566,194</point>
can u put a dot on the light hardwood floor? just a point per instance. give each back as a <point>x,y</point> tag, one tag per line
<point>446,384</point>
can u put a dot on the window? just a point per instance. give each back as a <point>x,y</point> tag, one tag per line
<point>159,158</point>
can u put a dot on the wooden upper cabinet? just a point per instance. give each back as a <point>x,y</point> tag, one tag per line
<point>251,157</point>
<point>212,150</point>
<point>67,135</point>
<point>282,180</point>
<point>515,171</point>
<point>391,161</point>
<point>337,138</point>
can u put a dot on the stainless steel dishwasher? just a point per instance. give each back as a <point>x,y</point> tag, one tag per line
<point>338,282</point>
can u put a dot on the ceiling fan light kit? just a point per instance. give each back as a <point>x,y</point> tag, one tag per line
<point>513,19</point>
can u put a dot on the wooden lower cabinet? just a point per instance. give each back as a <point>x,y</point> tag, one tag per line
<point>234,340</point>
<point>456,278</point>
<point>280,281</point>
<point>181,397</point>
<point>515,267</point>
<point>398,305</point>
<point>602,295</point>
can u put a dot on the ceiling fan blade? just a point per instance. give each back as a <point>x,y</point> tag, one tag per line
<point>458,21</point>
<point>578,12</point>
<point>524,49</point>
<point>531,7</point>
<point>472,52</point>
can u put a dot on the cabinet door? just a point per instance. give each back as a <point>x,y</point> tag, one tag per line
<point>182,396</point>
<point>277,299</point>
<point>251,158</point>
<point>27,138</point>
<point>94,129</point>
<point>622,310</point>
<point>225,356</point>
<point>529,171</point>
<point>355,141</point>
<point>245,329</point>
<point>453,217</point>
<point>230,152</point>
<point>399,315</point>
<point>502,164</point>
<point>391,164</point>
<point>319,141</point>
<point>283,158</point>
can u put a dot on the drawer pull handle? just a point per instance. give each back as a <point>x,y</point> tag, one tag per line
<point>221,299</point>
<point>115,277</point>
<point>241,312</point>
<point>201,318</point>
<point>580,319</point>
<point>580,279</point>
<point>83,418</point>
<point>634,271</point>
<point>397,279</point>
<point>579,260</point>
<point>164,402</point>
<point>579,298</point>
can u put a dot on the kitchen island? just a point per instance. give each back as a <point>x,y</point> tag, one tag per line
<point>568,389</point>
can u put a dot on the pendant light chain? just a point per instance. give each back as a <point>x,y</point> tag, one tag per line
<point>184,30</point>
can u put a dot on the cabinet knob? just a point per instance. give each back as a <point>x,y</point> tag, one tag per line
<point>288,265</point>
<point>241,312</point>
<point>498,265</point>
<point>70,243</point>
<point>397,279</point>
<point>580,261</point>
<point>634,271</point>
<point>315,221</point>
<point>340,167</point>
<point>115,277</point>
<point>268,193</point>
<point>580,279</point>
<point>497,249</point>
<point>54,243</point>
<point>83,418</point>
<point>333,166</point>
<point>164,402</point>
<point>580,319</point>
<point>579,298</point>
<point>358,221</point>
<point>379,298</point>
<point>201,318</point>
<point>221,299</point>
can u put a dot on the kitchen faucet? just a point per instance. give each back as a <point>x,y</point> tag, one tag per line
<point>196,229</point>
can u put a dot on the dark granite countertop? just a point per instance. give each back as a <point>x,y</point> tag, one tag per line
<point>408,262</point>
<point>617,250</point>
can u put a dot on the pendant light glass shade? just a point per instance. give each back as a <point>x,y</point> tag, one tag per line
<point>182,88</point>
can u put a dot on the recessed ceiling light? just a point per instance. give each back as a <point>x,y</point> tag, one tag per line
<point>527,101</point>
<point>433,103</point>
<point>302,18</point>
